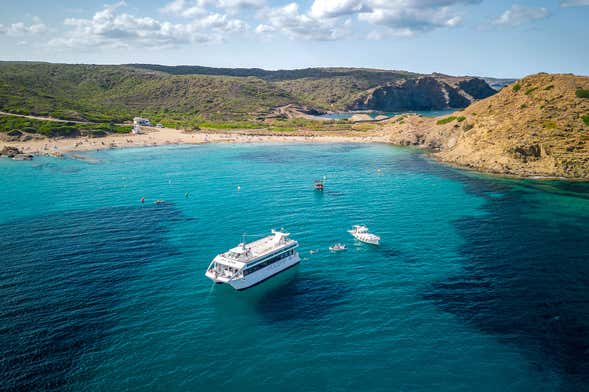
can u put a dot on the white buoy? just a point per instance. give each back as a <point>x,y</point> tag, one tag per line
<point>238,188</point>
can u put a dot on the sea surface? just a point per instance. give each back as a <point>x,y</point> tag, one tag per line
<point>425,113</point>
<point>480,283</point>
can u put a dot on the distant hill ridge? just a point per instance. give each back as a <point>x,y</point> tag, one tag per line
<point>195,93</point>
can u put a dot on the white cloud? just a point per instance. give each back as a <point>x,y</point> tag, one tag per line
<point>192,8</point>
<point>518,15</point>
<point>289,21</point>
<point>334,8</point>
<point>261,29</point>
<point>330,19</point>
<point>410,21</point>
<point>110,28</point>
<point>241,4</point>
<point>20,29</point>
<point>574,3</point>
<point>409,17</point>
<point>186,9</point>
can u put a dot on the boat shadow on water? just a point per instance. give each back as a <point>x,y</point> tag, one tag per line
<point>292,295</point>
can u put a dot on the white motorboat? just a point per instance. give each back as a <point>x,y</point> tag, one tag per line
<point>247,265</point>
<point>361,233</point>
<point>338,247</point>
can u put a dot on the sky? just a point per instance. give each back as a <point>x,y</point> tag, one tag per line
<point>459,37</point>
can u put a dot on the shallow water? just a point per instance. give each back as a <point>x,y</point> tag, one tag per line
<point>480,283</point>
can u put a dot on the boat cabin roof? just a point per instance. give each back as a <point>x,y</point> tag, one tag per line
<point>244,254</point>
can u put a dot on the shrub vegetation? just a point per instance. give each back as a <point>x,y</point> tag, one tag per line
<point>54,128</point>
<point>446,120</point>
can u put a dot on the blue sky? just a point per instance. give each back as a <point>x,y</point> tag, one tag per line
<point>460,37</point>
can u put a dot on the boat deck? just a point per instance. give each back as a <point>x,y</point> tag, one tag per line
<point>261,247</point>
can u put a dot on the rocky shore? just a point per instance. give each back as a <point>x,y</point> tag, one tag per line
<point>536,127</point>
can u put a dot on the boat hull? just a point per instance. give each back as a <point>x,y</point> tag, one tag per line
<point>372,240</point>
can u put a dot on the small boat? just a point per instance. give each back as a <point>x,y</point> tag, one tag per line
<point>360,232</point>
<point>319,185</point>
<point>159,201</point>
<point>338,247</point>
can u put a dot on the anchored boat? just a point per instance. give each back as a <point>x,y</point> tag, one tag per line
<point>361,233</point>
<point>338,247</point>
<point>319,185</point>
<point>249,264</point>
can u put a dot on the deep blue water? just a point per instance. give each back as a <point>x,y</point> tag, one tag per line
<point>480,283</point>
<point>425,113</point>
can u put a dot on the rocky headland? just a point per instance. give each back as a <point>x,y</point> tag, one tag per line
<point>537,126</point>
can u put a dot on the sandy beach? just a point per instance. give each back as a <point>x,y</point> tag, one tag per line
<point>168,136</point>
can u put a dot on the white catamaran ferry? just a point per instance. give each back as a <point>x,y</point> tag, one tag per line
<point>249,264</point>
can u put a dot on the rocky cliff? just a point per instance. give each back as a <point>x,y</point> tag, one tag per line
<point>537,126</point>
<point>424,93</point>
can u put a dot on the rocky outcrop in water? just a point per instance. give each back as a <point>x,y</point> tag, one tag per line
<point>10,151</point>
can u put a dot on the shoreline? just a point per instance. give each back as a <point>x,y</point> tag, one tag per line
<point>170,136</point>
<point>155,137</point>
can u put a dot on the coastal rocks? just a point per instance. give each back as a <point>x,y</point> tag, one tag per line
<point>425,93</point>
<point>15,153</point>
<point>13,136</point>
<point>360,117</point>
<point>477,88</point>
<point>10,151</point>
<point>529,152</point>
<point>23,157</point>
<point>292,111</point>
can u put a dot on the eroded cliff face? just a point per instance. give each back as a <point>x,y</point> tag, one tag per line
<point>424,93</point>
<point>538,126</point>
<point>476,88</point>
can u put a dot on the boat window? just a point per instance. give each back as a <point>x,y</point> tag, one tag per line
<point>265,263</point>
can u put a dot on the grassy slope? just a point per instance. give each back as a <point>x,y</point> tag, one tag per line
<point>320,88</point>
<point>118,93</point>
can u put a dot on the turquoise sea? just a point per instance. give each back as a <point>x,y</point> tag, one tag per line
<point>480,283</point>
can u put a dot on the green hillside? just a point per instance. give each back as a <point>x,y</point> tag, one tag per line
<point>190,95</point>
<point>119,93</point>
